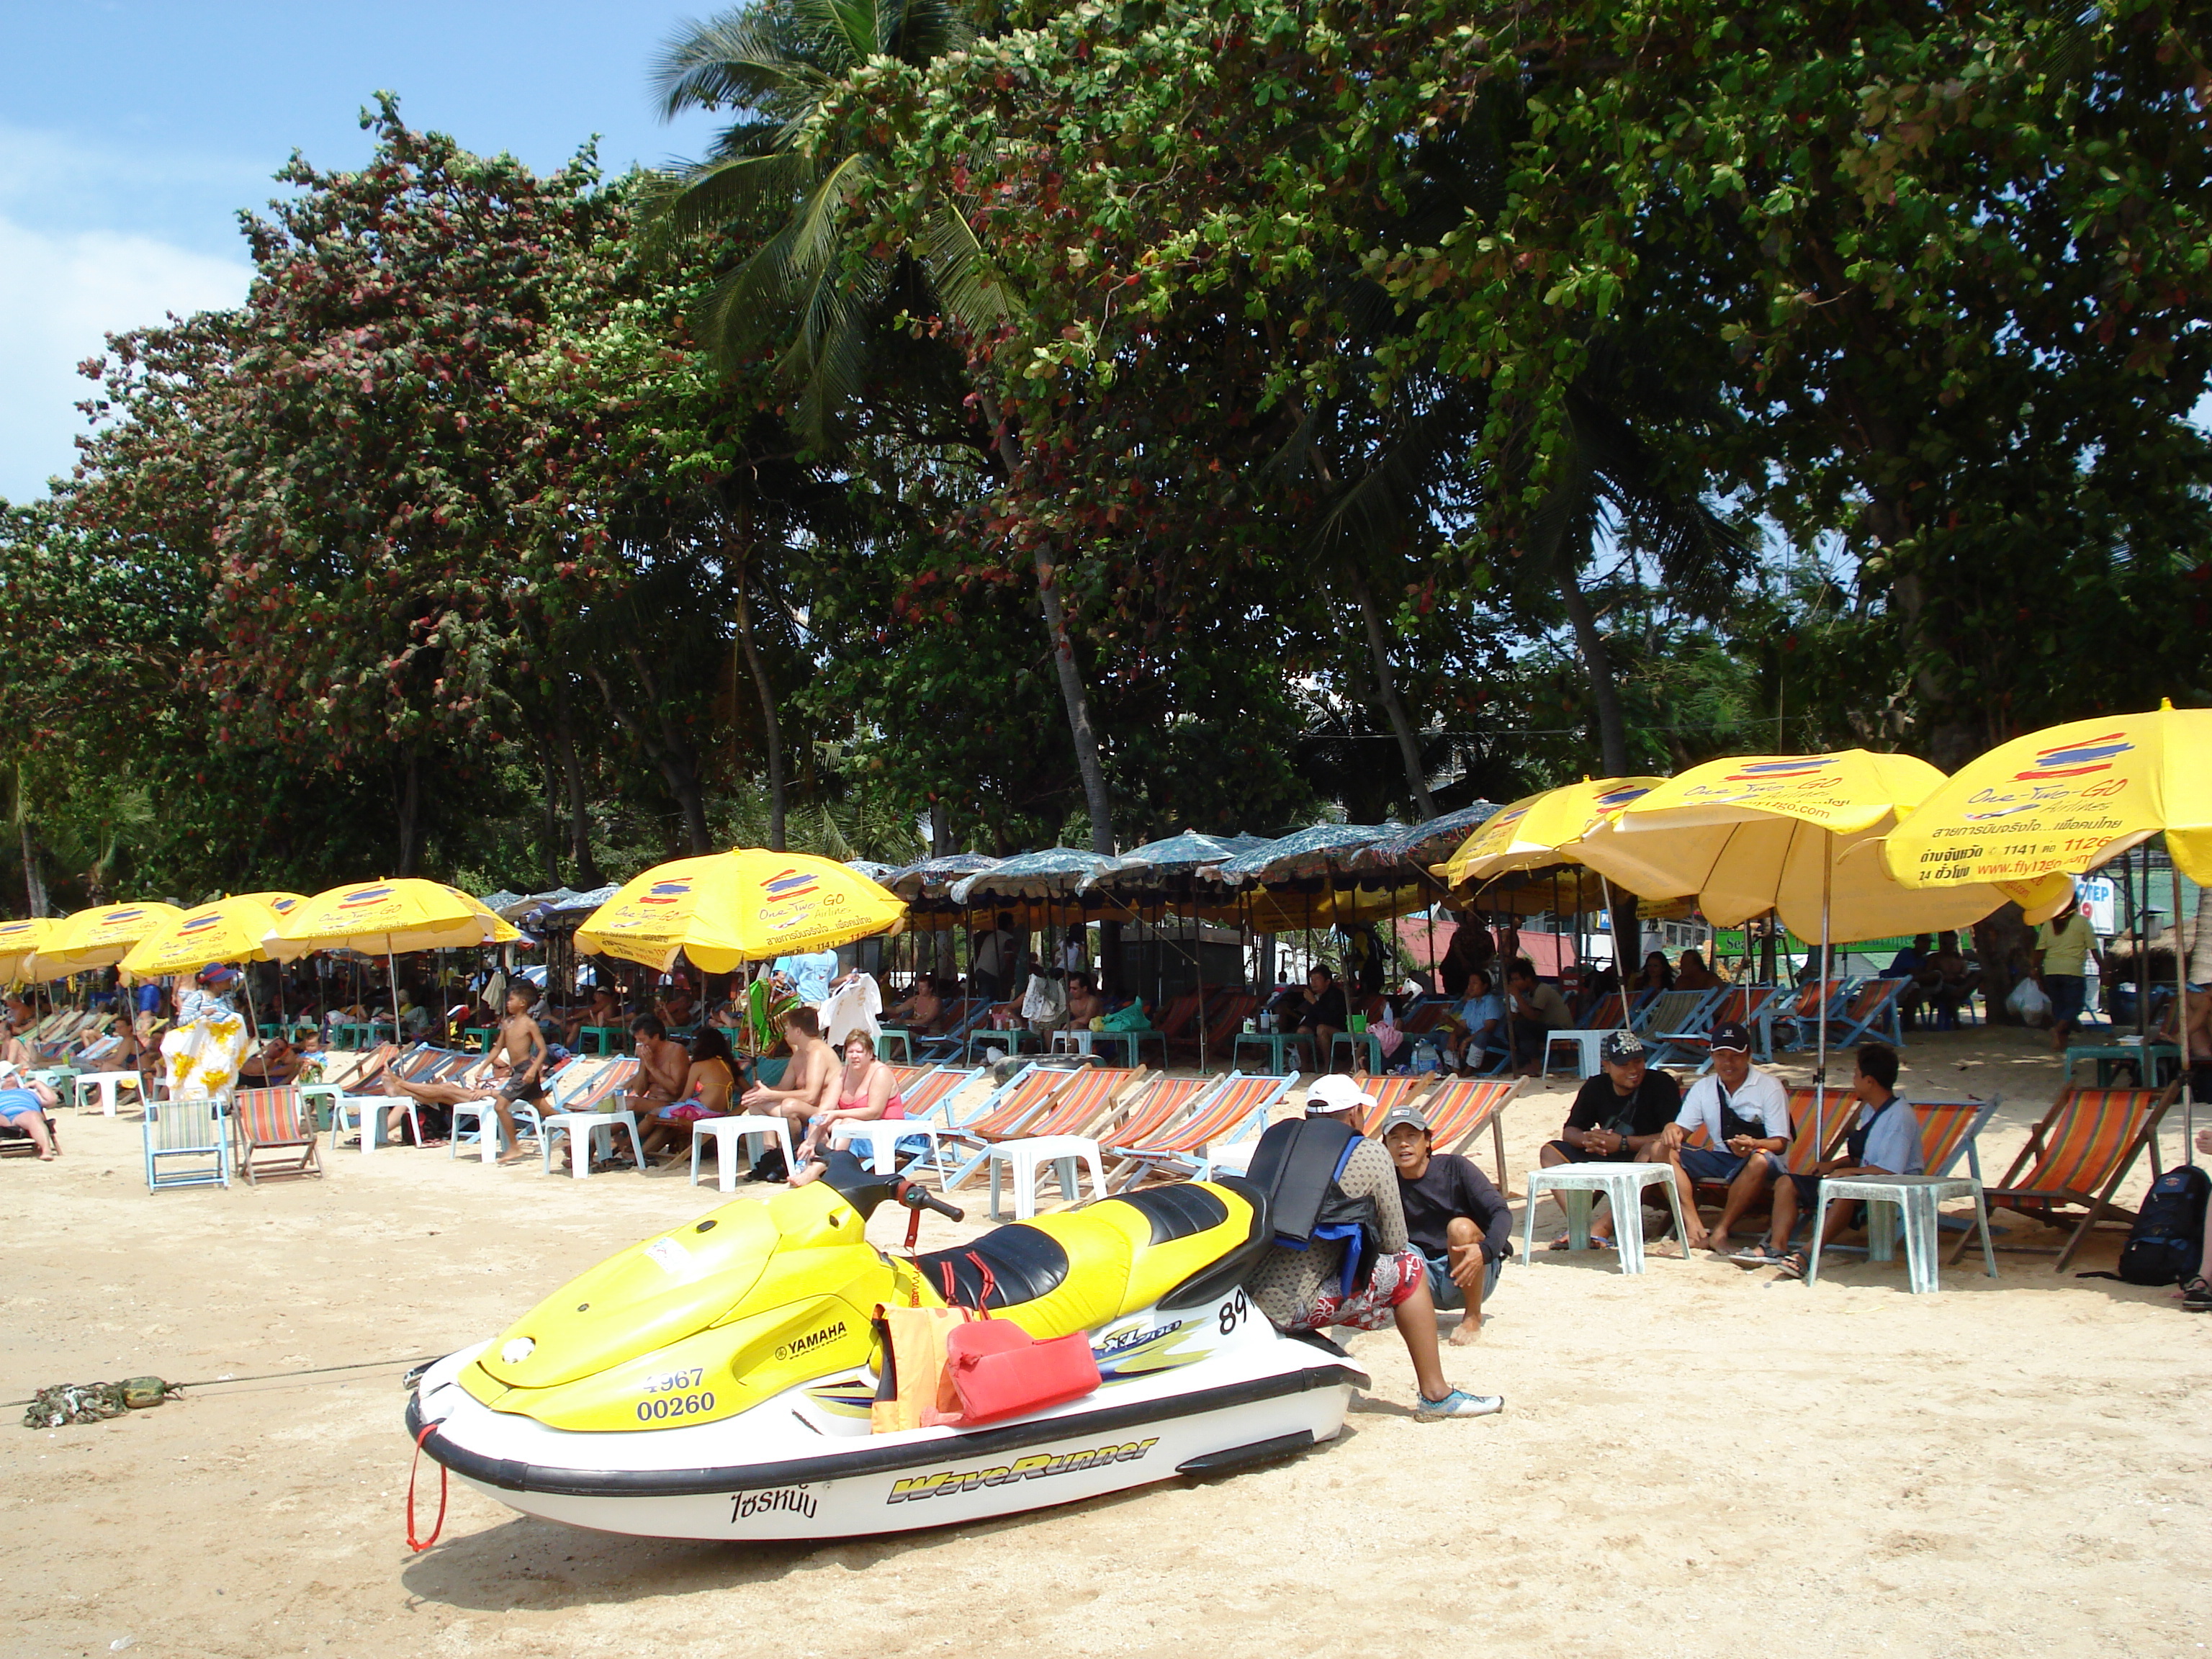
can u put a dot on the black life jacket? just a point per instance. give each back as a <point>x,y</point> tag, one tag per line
<point>1297,1164</point>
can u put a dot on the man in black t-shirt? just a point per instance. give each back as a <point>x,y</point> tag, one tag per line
<point>1321,1014</point>
<point>1619,1116</point>
<point>1455,1218</point>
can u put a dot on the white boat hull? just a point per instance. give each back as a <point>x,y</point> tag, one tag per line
<point>805,1466</point>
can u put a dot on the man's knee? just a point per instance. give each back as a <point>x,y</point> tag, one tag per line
<point>1551,1154</point>
<point>1462,1231</point>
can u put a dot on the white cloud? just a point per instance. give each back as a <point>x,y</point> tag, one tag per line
<point>61,293</point>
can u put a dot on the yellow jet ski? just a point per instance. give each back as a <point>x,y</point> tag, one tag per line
<point>715,1382</point>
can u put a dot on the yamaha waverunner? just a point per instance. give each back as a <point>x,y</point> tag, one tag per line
<point>716,1382</point>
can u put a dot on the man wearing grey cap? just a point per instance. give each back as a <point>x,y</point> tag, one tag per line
<point>1455,1218</point>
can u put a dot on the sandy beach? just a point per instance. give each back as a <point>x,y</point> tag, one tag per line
<point>1701,1461</point>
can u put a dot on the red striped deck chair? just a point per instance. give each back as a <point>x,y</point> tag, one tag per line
<point>1462,1107</point>
<point>1236,1111</point>
<point>1075,1106</point>
<point>1389,1092</point>
<point>2076,1157</point>
<point>273,1135</point>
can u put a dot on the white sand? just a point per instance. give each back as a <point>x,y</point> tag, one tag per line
<point>1698,1461</point>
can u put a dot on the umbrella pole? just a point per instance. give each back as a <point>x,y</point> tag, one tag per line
<point>1821,1009</point>
<point>1606,887</point>
<point>392,967</point>
<point>2181,1020</point>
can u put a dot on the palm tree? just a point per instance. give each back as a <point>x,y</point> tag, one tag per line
<point>773,66</point>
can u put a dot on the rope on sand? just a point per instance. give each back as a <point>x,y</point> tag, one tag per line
<point>91,1402</point>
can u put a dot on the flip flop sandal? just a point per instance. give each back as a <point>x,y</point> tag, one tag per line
<point>2196,1296</point>
<point>1761,1255</point>
<point>1792,1265</point>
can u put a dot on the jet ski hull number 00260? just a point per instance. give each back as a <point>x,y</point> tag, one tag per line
<point>715,1383</point>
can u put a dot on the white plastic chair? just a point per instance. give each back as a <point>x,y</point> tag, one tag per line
<point>1027,1159</point>
<point>554,1124</point>
<point>882,1136</point>
<point>727,1133</point>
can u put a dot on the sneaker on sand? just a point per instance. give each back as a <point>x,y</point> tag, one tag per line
<point>1459,1403</point>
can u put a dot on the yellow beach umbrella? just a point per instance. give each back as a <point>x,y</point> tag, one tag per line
<point>234,929</point>
<point>2069,797</point>
<point>98,937</point>
<point>1775,832</point>
<point>2064,800</point>
<point>746,905</point>
<point>1779,832</point>
<point>388,919</point>
<point>1541,830</point>
<point>19,941</point>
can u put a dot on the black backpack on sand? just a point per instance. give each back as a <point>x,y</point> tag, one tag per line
<point>2167,1244</point>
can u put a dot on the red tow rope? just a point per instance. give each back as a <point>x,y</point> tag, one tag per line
<point>418,1545</point>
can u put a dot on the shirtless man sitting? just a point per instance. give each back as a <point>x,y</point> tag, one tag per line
<point>809,1077</point>
<point>922,1012</point>
<point>662,1067</point>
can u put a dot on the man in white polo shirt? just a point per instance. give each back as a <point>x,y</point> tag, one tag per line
<point>1745,1113</point>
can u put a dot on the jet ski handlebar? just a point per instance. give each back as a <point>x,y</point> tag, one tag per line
<point>915,1196</point>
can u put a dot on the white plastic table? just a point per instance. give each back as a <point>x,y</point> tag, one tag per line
<point>108,1083</point>
<point>583,1129</point>
<point>1577,1188</point>
<point>725,1132</point>
<point>1911,1199</point>
<point>882,1136</point>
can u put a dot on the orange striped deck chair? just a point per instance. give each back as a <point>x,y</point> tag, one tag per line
<point>1389,1093</point>
<point>273,1135</point>
<point>1235,1110</point>
<point>1074,1106</point>
<point>2076,1157</point>
<point>1463,1106</point>
<point>931,1089</point>
<point>1012,1104</point>
<point>1160,1109</point>
<point>350,1072</point>
<point>1948,1127</point>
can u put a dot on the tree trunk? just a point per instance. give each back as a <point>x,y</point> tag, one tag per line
<point>1007,454</point>
<point>2200,938</point>
<point>549,837</point>
<point>771,728</point>
<point>1386,693</point>
<point>580,817</point>
<point>1998,941</point>
<point>1613,737</point>
<point>34,884</point>
<point>409,809</point>
<point>940,845</point>
<point>666,747</point>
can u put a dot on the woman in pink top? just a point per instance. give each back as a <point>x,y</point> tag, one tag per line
<point>867,1090</point>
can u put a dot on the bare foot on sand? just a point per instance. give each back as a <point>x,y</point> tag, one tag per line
<point>1469,1332</point>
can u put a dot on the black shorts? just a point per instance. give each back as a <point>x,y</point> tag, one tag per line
<point>517,1088</point>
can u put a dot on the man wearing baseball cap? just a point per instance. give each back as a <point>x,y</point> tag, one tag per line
<point>1745,1113</point>
<point>1455,1218</point>
<point>1619,1116</point>
<point>1340,1255</point>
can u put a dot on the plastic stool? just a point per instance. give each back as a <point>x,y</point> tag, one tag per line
<point>1027,1158</point>
<point>727,1132</point>
<point>1577,1188</point>
<point>1909,1201</point>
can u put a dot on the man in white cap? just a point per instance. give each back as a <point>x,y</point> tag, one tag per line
<point>1341,1256</point>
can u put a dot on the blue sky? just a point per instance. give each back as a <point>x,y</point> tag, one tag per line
<point>132,132</point>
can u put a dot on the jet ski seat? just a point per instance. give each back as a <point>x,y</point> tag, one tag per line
<point>1175,1245</point>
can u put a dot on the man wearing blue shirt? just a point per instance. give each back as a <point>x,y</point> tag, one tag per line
<point>1885,1140</point>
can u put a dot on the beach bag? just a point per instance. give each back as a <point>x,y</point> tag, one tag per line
<point>1043,999</point>
<point>2167,1244</point>
<point>2028,1004</point>
<point>1131,1019</point>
